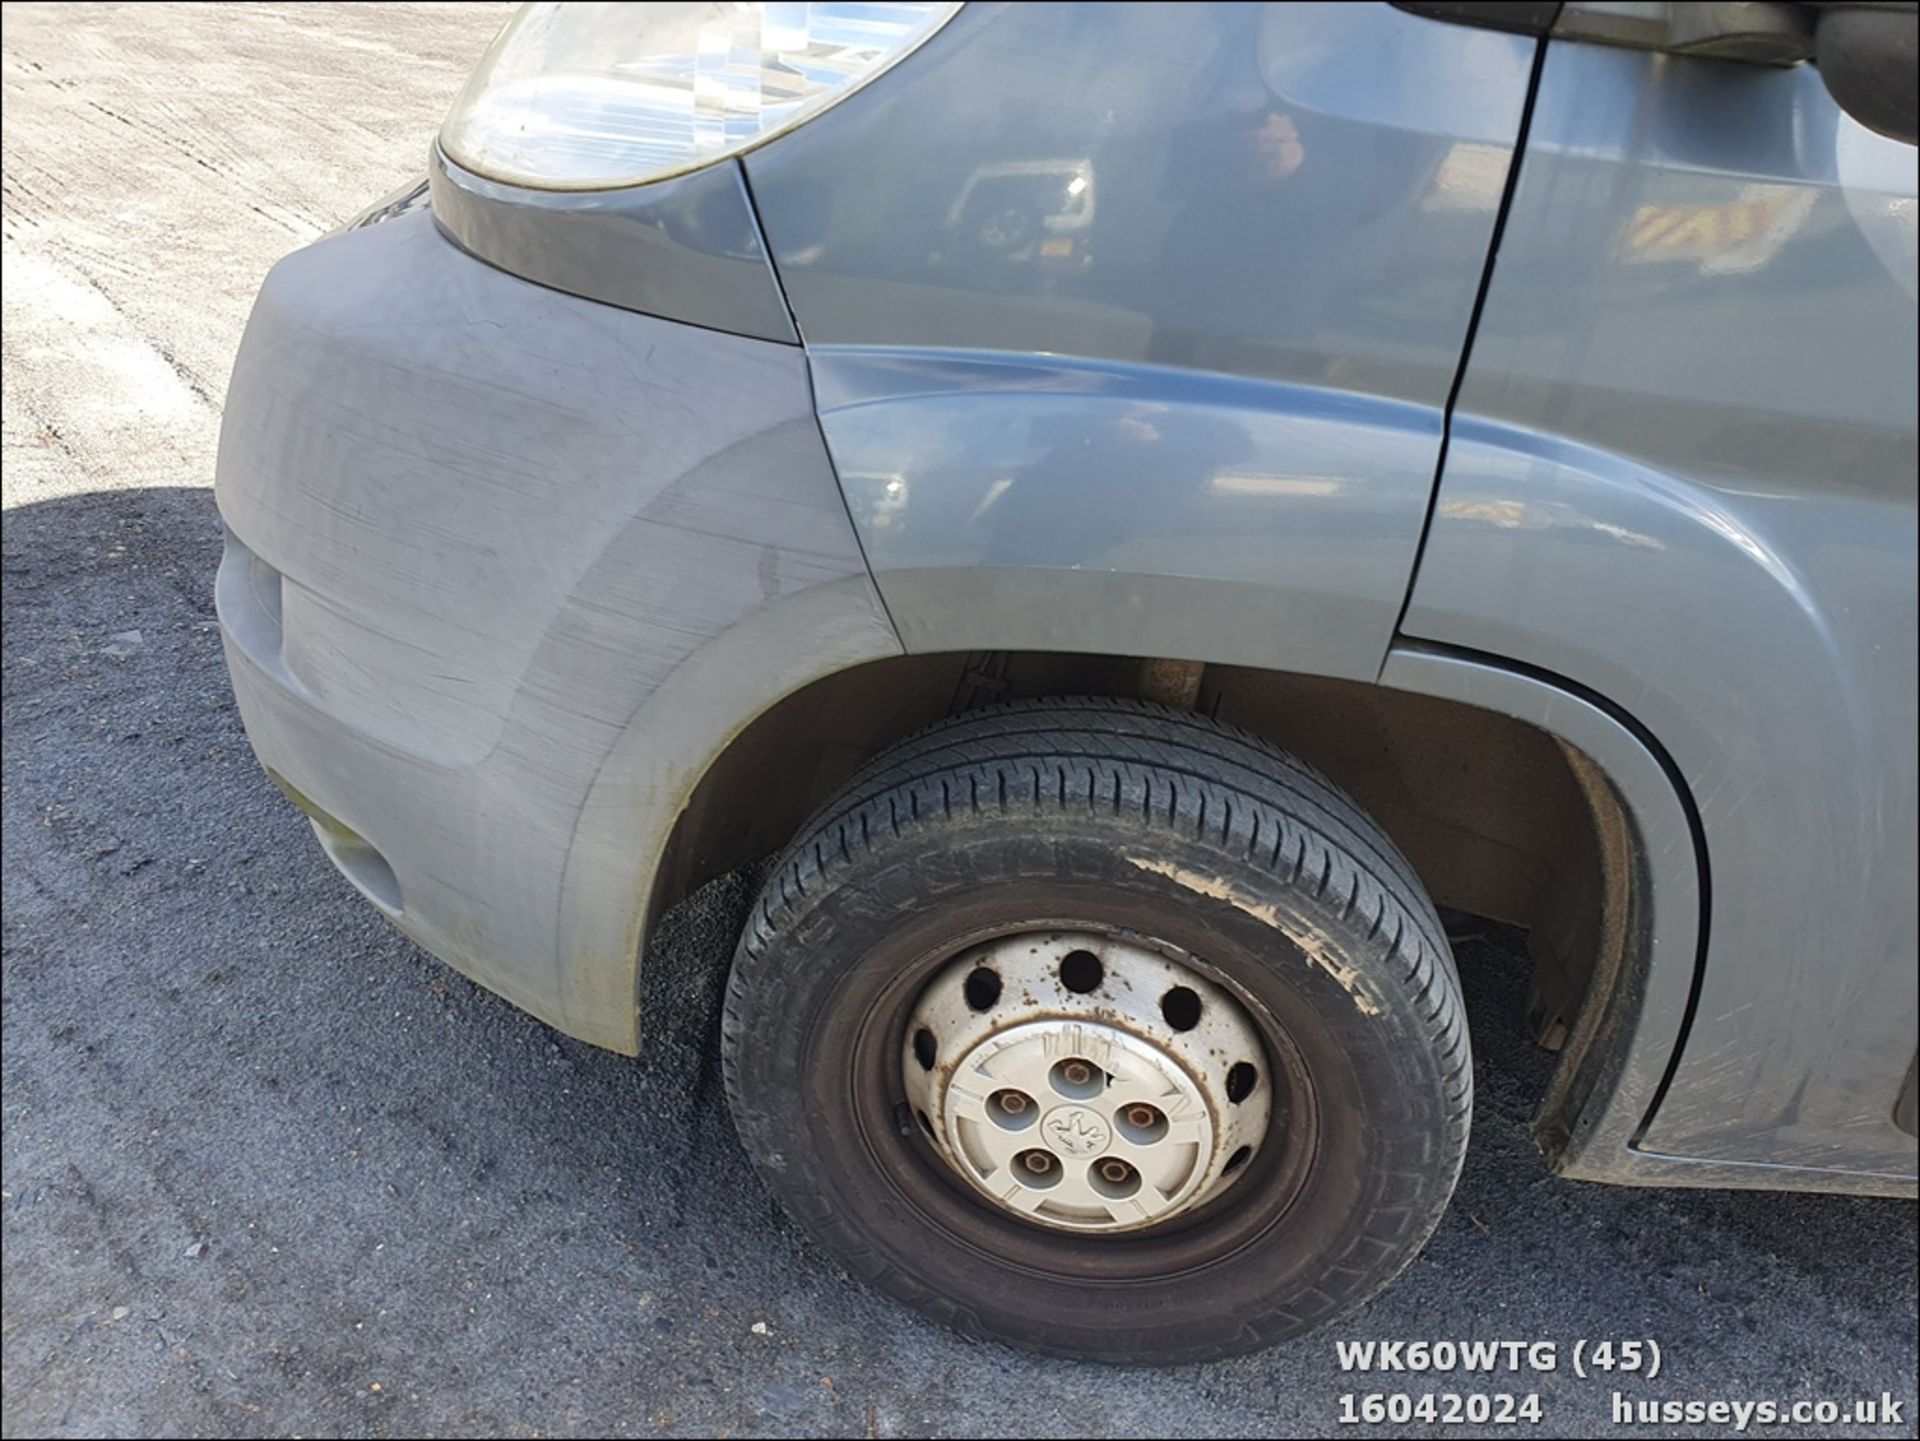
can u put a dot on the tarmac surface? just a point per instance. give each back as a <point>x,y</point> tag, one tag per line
<point>269,1169</point>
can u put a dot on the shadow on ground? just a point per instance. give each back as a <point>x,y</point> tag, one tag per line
<point>269,1168</point>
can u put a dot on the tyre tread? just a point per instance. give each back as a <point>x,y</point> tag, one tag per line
<point>1184,769</point>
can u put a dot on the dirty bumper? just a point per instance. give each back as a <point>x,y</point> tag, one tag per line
<point>504,570</point>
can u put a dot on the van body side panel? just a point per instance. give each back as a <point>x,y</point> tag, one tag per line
<point>1133,325</point>
<point>1682,475</point>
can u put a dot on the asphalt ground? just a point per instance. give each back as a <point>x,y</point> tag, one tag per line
<point>269,1169</point>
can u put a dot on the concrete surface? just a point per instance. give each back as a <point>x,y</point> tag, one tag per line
<point>268,1169</point>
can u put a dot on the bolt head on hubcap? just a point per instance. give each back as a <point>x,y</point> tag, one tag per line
<point>1135,1122</point>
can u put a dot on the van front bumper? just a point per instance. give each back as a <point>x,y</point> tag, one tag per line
<point>504,569</point>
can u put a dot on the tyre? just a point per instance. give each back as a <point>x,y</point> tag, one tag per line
<point>1102,1029</point>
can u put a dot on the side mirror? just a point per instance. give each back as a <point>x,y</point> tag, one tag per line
<point>1868,55</point>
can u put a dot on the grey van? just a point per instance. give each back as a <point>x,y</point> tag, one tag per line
<point>1139,510</point>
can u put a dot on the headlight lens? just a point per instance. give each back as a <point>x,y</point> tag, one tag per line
<point>592,96</point>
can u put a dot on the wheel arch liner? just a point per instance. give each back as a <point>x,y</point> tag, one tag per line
<point>1628,1029</point>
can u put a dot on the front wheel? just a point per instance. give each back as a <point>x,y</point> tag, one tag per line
<point>1102,1029</point>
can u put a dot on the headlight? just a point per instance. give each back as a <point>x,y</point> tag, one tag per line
<point>588,97</point>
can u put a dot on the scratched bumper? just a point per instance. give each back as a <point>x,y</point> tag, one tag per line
<point>474,525</point>
<point>412,835</point>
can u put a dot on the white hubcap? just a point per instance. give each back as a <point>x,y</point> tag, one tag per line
<point>1084,1081</point>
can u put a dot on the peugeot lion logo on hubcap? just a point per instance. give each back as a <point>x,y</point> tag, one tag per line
<point>1076,1131</point>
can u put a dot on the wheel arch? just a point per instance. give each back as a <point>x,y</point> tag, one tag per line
<point>1512,797</point>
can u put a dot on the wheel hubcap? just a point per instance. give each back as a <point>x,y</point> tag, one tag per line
<point>1086,1082</point>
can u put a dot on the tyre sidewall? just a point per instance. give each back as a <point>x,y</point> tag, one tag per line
<point>1337,984</point>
